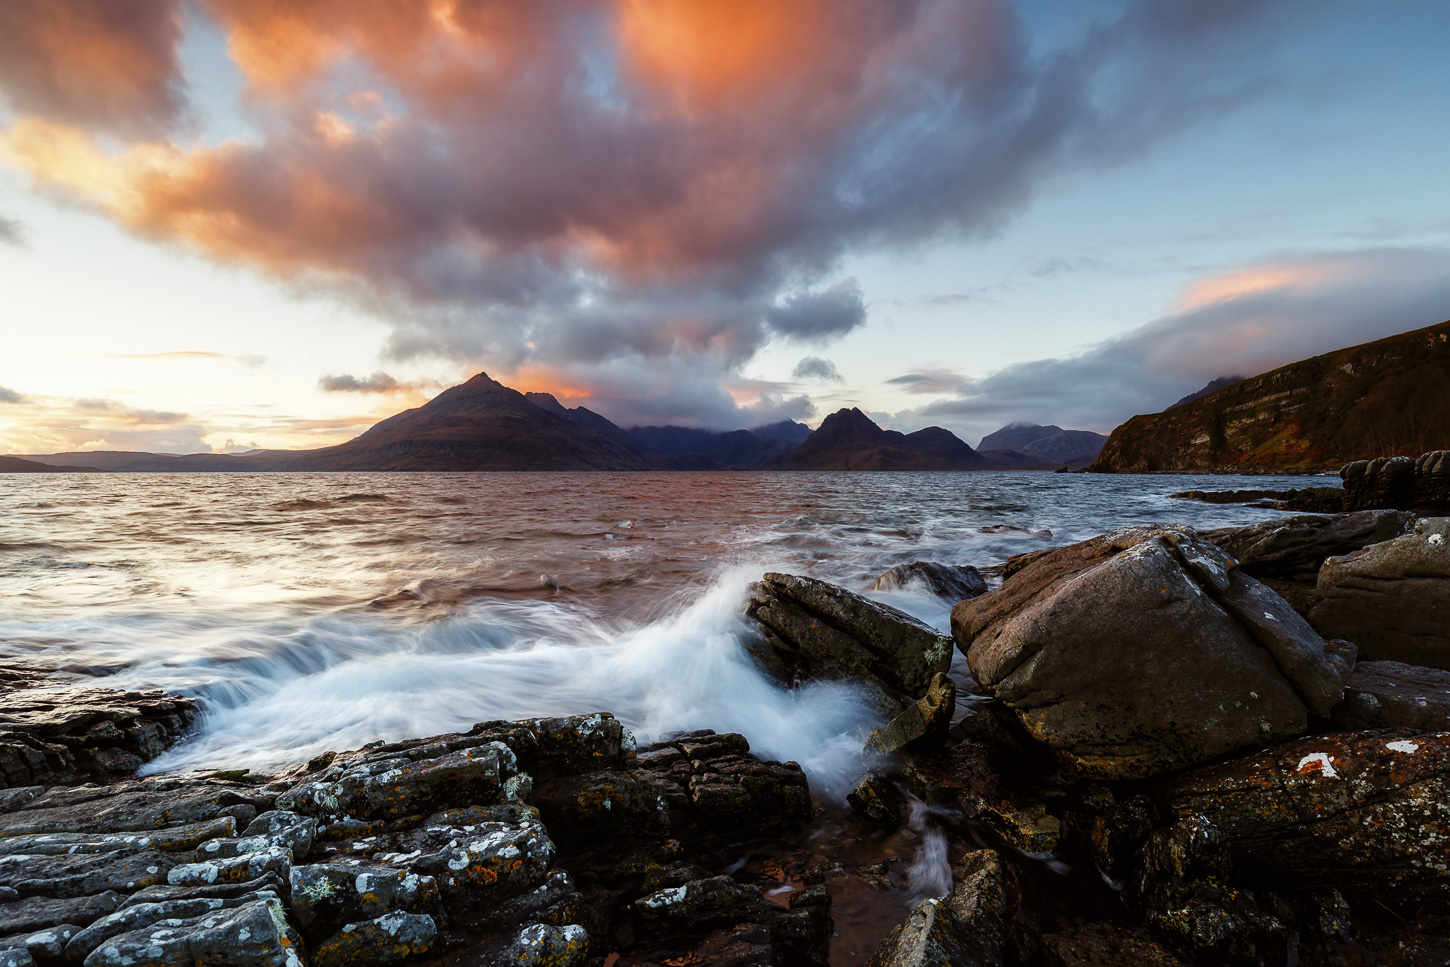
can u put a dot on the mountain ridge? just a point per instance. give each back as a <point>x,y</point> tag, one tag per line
<point>850,440</point>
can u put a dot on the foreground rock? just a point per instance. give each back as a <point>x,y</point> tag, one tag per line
<point>1392,695</point>
<point>1286,553</point>
<point>967,929</point>
<point>533,842</point>
<point>65,734</point>
<point>815,629</point>
<point>956,582</point>
<point>1404,483</point>
<point>924,724</point>
<point>1364,813</point>
<point>1147,650</point>
<point>1314,499</point>
<point>1391,599</point>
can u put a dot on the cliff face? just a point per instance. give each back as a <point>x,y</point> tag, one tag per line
<point>1385,398</point>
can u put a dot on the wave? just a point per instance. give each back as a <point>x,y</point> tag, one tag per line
<point>273,698</point>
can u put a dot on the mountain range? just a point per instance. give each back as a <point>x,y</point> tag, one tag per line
<point>484,425</point>
<point>1073,449</point>
<point>1385,398</point>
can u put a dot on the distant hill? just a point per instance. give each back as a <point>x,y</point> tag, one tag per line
<point>579,415</point>
<point>1385,398</point>
<point>131,461</point>
<point>1213,385</point>
<point>849,440</point>
<point>477,425</point>
<point>788,431</point>
<point>1046,444</point>
<point>19,465</point>
<point>1015,436</point>
<point>1067,447</point>
<point>727,450</point>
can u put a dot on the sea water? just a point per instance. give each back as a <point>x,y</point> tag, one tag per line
<point>310,612</point>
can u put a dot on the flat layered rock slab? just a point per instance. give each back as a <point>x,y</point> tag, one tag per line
<point>38,913</point>
<point>1393,695</point>
<point>134,806</point>
<point>1367,812</point>
<point>52,735</point>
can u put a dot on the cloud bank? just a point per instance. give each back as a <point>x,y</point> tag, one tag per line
<point>658,187</point>
<point>1243,322</point>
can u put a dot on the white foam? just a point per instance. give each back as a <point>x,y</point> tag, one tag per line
<point>687,670</point>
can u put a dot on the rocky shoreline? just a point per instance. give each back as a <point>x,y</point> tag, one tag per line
<point>1172,748</point>
<point>1395,483</point>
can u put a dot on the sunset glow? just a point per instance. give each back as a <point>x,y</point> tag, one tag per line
<point>644,205</point>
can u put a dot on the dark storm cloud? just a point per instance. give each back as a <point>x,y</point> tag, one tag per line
<point>813,367</point>
<point>822,315</point>
<point>587,183</point>
<point>108,65</point>
<point>378,382</point>
<point>1245,322</point>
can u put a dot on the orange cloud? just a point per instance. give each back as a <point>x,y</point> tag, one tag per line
<point>711,53</point>
<point>1251,281</point>
<point>119,61</point>
<point>533,378</point>
<point>440,49</point>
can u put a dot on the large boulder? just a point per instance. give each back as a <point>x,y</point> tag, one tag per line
<point>1392,599</point>
<point>1367,813</point>
<point>816,629</point>
<point>1147,650</point>
<point>1285,553</point>
<point>1405,483</point>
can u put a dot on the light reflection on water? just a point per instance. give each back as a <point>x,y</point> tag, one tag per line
<point>316,611</point>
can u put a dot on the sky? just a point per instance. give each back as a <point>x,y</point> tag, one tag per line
<point>228,224</point>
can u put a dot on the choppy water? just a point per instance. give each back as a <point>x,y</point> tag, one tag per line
<point>323,611</point>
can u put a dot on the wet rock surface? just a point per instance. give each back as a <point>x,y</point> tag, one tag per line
<point>1405,483</point>
<point>1318,499</point>
<point>924,723</point>
<point>1393,695</point>
<point>1147,650</point>
<point>66,734</point>
<point>815,629</point>
<point>1359,812</point>
<point>1286,553</point>
<point>438,846</point>
<point>1003,838</point>
<point>955,582</point>
<point>1391,599</point>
